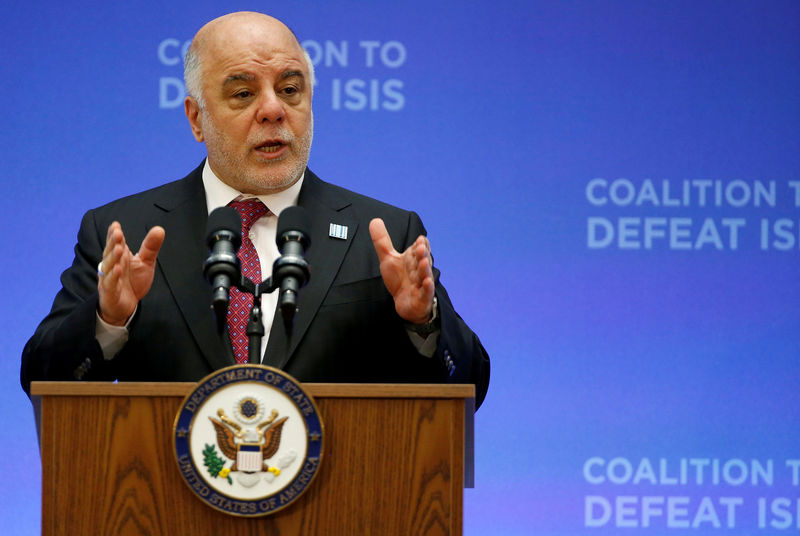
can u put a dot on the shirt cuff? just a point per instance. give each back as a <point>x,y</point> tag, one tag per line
<point>426,338</point>
<point>425,345</point>
<point>110,337</point>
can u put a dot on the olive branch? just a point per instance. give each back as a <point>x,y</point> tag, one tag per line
<point>214,463</point>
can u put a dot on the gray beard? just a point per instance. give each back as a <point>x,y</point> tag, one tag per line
<point>266,181</point>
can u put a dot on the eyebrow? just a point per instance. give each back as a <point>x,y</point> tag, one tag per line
<point>238,78</point>
<point>249,77</point>
<point>289,74</point>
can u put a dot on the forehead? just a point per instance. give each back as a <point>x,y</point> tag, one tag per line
<point>250,47</point>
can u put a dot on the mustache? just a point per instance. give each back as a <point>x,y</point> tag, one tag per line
<point>279,133</point>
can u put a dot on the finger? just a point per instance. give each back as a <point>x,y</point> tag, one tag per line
<point>421,247</point>
<point>424,266</point>
<point>110,233</point>
<point>123,255</point>
<point>115,247</point>
<point>110,296</point>
<point>426,247</point>
<point>121,236</point>
<point>423,261</point>
<point>380,238</point>
<point>112,272</point>
<point>422,301</point>
<point>108,261</point>
<point>428,288</point>
<point>416,269</point>
<point>151,244</point>
<point>420,250</point>
<point>109,247</point>
<point>428,264</point>
<point>116,250</point>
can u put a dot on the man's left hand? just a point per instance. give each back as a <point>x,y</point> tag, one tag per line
<point>408,275</point>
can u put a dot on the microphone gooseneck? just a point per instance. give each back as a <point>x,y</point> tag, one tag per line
<point>222,267</point>
<point>290,271</point>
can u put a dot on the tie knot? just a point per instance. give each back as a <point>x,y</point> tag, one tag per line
<point>250,210</point>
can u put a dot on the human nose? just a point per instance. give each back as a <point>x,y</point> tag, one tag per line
<point>270,108</point>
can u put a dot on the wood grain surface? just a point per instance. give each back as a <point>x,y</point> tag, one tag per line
<point>392,465</point>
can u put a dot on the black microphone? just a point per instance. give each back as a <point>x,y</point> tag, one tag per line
<point>222,268</point>
<point>290,271</point>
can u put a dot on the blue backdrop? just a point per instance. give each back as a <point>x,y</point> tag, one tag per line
<point>611,189</point>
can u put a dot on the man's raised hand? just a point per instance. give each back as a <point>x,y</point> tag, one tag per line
<point>408,275</point>
<point>126,278</point>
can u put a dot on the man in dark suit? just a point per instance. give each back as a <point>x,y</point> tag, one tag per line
<point>370,313</point>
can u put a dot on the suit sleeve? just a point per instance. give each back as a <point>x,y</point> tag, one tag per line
<point>459,351</point>
<point>64,346</point>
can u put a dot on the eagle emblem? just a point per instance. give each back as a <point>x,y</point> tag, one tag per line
<point>249,443</point>
<point>248,440</point>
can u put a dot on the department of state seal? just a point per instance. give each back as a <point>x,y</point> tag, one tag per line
<point>248,440</point>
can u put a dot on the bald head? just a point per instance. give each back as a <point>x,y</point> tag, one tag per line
<point>250,86</point>
<point>244,27</point>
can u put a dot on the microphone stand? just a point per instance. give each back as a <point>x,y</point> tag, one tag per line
<point>290,267</point>
<point>285,268</point>
<point>255,328</point>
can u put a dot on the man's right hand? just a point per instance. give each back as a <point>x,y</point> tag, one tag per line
<point>126,277</point>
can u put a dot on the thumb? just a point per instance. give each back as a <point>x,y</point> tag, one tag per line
<point>380,238</point>
<point>152,244</point>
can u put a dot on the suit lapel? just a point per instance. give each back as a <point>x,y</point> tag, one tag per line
<point>324,256</point>
<point>181,259</point>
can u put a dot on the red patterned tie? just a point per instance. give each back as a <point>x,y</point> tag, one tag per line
<point>241,303</point>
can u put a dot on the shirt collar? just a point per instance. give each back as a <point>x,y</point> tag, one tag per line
<point>219,194</point>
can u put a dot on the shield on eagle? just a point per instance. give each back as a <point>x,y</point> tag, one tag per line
<point>249,458</point>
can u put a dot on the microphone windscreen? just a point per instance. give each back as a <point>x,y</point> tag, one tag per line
<point>224,219</point>
<point>293,218</point>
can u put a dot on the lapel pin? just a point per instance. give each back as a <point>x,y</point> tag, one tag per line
<point>338,231</point>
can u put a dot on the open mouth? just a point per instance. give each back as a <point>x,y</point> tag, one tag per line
<point>270,146</point>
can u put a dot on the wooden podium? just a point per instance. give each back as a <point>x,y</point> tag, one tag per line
<point>395,461</point>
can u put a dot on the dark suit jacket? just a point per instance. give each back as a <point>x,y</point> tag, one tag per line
<point>346,329</point>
